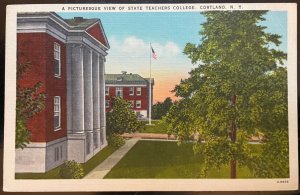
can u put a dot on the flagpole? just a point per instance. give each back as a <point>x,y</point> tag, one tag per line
<point>150,88</point>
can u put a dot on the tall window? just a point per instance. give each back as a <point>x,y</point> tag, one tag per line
<point>119,91</point>
<point>57,112</point>
<point>106,90</point>
<point>138,104</point>
<point>131,90</point>
<point>57,65</point>
<point>138,91</point>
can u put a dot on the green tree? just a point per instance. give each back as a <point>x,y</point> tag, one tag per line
<point>160,109</point>
<point>122,118</point>
<point>29,102</point>
<point>237,90</point>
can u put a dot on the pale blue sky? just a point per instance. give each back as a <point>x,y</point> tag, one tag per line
<point>129,35</point>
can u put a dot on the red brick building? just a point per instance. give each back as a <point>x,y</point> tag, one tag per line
<point>131,87</point>
<point>67,56</point>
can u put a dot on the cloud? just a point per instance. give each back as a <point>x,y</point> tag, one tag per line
<point>136,47</point>
<point>132,54</point>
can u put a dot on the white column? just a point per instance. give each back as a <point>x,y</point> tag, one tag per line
<point>76,135</point>
<point>69,87</point>
<point>102,100</point>
<point>88,98</point>
<point>77,81</point>
<point>96,100</point>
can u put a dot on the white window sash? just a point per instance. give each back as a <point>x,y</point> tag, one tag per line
<point>138,91</point>
<point>119,90</point>
<point>57,111</point>
<point>138,104</point>
<point>57,57</point>
<point>131,91</point>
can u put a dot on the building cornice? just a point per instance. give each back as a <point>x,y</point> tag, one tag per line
<point>125,85</point>
<point>56,27</point>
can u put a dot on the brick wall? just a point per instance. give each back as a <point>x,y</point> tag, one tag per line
<point>143,97</point>
<point>38,49</point>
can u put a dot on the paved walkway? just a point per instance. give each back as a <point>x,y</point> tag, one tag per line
<point>149,136</point>
<point>102,169</point>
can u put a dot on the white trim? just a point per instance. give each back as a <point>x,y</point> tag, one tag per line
<point>57,32</point>
<point>65,28</point>
<point>45,144</point>
<point>95,47</point>
<point>139,91</point>
<point>59,112</point>
<point>125,85</point>
<point>58,51</point>
<point>119,89</point>
<point>102,30</point>
<point>85,31</point>
<point>136,103</point>
<point>130,91</point>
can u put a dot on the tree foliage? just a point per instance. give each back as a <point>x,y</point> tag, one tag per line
<point>30,101</point>
<point>239,88</point>
<point>122,118</point>
<point>160,109</point>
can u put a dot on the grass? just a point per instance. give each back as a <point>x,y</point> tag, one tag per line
<point>88,166</point>
<point>157,127</point>
<point>158,159</point>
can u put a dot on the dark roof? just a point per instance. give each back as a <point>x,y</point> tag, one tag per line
<point>80,23</point>
<point>125,79</point>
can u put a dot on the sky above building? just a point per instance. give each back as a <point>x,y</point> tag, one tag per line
<point>130,34</point>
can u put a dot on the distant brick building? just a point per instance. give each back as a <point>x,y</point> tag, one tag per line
<point>67,56</point>
<point>131,87</point>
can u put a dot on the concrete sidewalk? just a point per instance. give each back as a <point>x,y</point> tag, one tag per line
<point>149,136</point>
<point>102,169</point>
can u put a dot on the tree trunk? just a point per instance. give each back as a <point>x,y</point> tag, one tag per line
<point>233,139</point>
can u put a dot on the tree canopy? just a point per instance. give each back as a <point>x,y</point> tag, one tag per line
<point>160,109</point>
<point>239,88</point>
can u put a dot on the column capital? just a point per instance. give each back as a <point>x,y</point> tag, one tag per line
<point>102,57</point>
<point>73,45</point>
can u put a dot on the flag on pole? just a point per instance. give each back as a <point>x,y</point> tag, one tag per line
<point>154,56</point>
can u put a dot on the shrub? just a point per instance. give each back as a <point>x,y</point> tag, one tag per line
<point>122,119</point>
<point>116,140</point>
<point>71,170</point>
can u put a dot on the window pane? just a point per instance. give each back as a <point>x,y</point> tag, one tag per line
<point>131,91</point>
<point>138,91</point>
<point>56,121</point>
<point>56,59</point>
<point>56,67</point>
<point>57,112</point>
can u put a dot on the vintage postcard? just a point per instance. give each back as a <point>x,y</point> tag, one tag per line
<point>151,97</point>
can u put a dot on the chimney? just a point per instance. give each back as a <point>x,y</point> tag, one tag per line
<point>124,72</point>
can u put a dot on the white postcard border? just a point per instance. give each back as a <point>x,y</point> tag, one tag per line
<point>12,184</point>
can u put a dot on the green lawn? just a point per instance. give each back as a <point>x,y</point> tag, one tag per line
<point>54,173</point>
<point>156,127</point>
<point>162,159</point>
